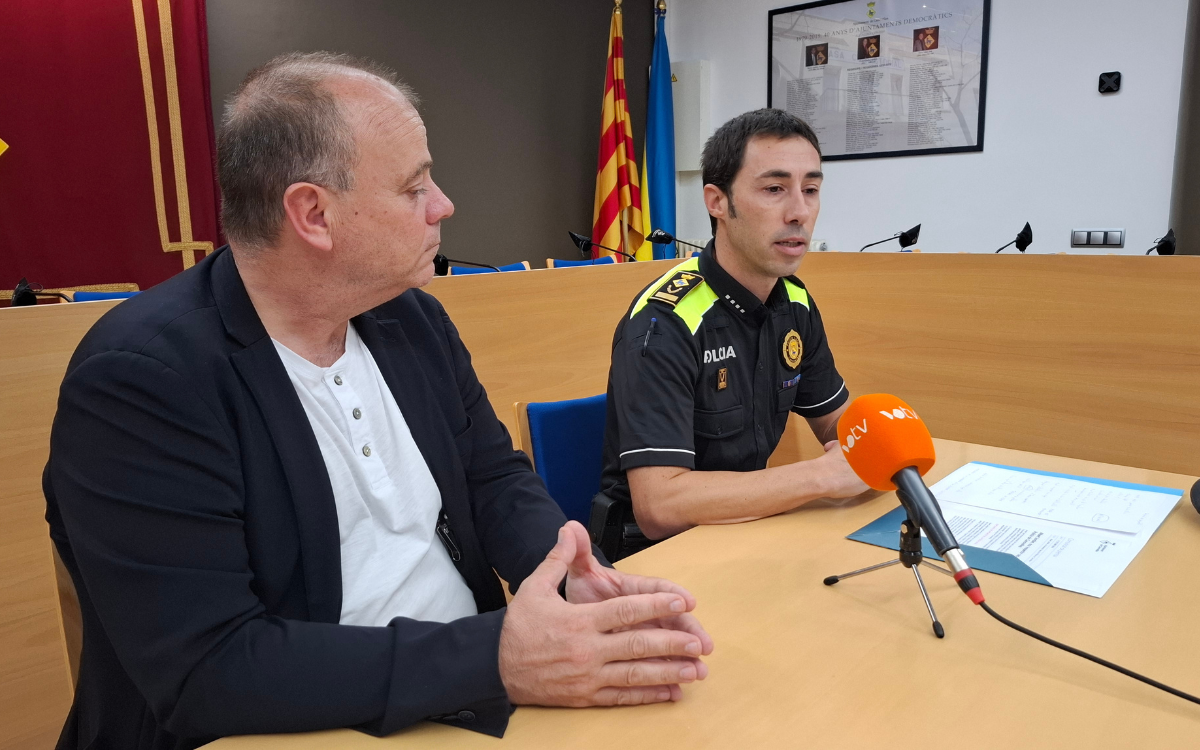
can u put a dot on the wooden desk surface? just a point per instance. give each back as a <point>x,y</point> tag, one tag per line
<point>856,665</point>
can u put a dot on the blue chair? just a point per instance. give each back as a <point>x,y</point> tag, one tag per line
<point>565,440</point>
<point>94,296</point>
<point>461,270</point>
<point>555,263</point>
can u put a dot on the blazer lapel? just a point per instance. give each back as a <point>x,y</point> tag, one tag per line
<point>308,482</point>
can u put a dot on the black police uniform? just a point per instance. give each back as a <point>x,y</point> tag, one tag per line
<point>704,374</point>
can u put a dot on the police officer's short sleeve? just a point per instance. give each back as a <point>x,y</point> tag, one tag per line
<point>822,389</point>
<point>653,386</point>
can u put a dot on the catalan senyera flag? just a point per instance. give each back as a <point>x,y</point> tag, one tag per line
<point>658,160</point>
<point>617,218</point>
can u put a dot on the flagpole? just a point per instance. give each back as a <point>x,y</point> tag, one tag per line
<point>624,227</point>
<point>624,216</point>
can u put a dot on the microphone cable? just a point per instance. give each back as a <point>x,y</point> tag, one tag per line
<point>1086,655</point>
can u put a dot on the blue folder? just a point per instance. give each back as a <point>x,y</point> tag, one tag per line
<point>885,531</point>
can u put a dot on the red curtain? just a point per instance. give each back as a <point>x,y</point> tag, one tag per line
<point>108,175</point>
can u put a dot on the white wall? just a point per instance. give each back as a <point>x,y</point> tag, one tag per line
<point>1056,152</point>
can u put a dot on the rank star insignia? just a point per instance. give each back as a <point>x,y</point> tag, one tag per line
<point>792,349</point>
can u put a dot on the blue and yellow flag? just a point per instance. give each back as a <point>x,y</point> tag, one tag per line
<point>658,161</point>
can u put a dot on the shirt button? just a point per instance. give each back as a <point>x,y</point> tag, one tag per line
<point>337,379</point>
<point>367,450</point>
<point>357,413</point>
<point>466,716</point>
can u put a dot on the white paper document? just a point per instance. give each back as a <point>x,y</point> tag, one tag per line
<point>1077,533</point>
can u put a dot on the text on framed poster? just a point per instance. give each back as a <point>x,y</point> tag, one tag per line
<point>885,77</point>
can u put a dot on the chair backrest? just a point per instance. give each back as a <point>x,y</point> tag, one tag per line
<point>565,440</point>
<point>95,296</point>
<point>39,620</point>
<point>462,271</point>
<point>601,261</point>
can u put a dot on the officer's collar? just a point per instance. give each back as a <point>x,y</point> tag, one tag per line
<point>735,296</point>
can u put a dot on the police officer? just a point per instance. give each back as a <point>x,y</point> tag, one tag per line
<point>711,357</point>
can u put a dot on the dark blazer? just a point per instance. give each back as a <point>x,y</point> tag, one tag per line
<point>188,498</point>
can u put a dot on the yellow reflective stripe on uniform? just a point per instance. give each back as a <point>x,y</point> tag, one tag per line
<point>796,293</point>
<point>691,264</point>
<point>692,307</point>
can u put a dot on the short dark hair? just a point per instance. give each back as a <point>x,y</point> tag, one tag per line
<point>282,126</point>
<point>724,151</point>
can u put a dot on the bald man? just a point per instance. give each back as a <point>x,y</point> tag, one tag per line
<point>281,491</point>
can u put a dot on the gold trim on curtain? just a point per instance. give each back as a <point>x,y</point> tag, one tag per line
<point>186,246</point>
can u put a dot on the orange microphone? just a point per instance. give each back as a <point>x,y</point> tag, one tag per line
<point>889,447</point>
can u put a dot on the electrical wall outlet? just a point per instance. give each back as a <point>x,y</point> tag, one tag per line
<point>1097,238</point>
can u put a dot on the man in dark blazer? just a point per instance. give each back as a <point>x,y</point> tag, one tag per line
<point>190,500</point>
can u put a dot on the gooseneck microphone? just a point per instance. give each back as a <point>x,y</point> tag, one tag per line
<point>1024,238</point>
<point>441,264</point>
<point>585,245</point>
<point>1164,245</point>
<point>907,238</point>
<point>890,448</point>
<point>663,237</point>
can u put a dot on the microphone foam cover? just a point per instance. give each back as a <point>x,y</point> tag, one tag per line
<point>879,435</point>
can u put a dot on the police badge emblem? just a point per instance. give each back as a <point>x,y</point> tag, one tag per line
<point>792,349</point>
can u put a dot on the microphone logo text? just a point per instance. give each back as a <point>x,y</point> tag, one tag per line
<point>856,434</point>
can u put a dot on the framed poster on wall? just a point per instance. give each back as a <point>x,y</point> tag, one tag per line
<point>883,77</point>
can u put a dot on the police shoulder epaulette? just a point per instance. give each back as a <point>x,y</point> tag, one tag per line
<point>674,289</point>
<point>796,291</point>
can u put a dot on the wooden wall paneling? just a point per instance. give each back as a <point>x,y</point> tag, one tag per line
<point>35,673</point>
<point>1094,357</point>
<point>542,335</point>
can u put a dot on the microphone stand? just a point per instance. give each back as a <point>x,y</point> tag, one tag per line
<point>610,249</point>
<point>584,244</point>
<point>911,557</point>
<point>441,264</point>
<point>663,237</point>
<point>872,244</point>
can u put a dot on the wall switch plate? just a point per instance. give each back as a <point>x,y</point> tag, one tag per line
<point>1098,238</point>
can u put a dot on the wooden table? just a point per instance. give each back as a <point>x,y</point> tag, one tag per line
<point>857,666</point>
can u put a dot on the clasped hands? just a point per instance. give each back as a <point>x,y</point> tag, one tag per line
<point>618,639</point>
